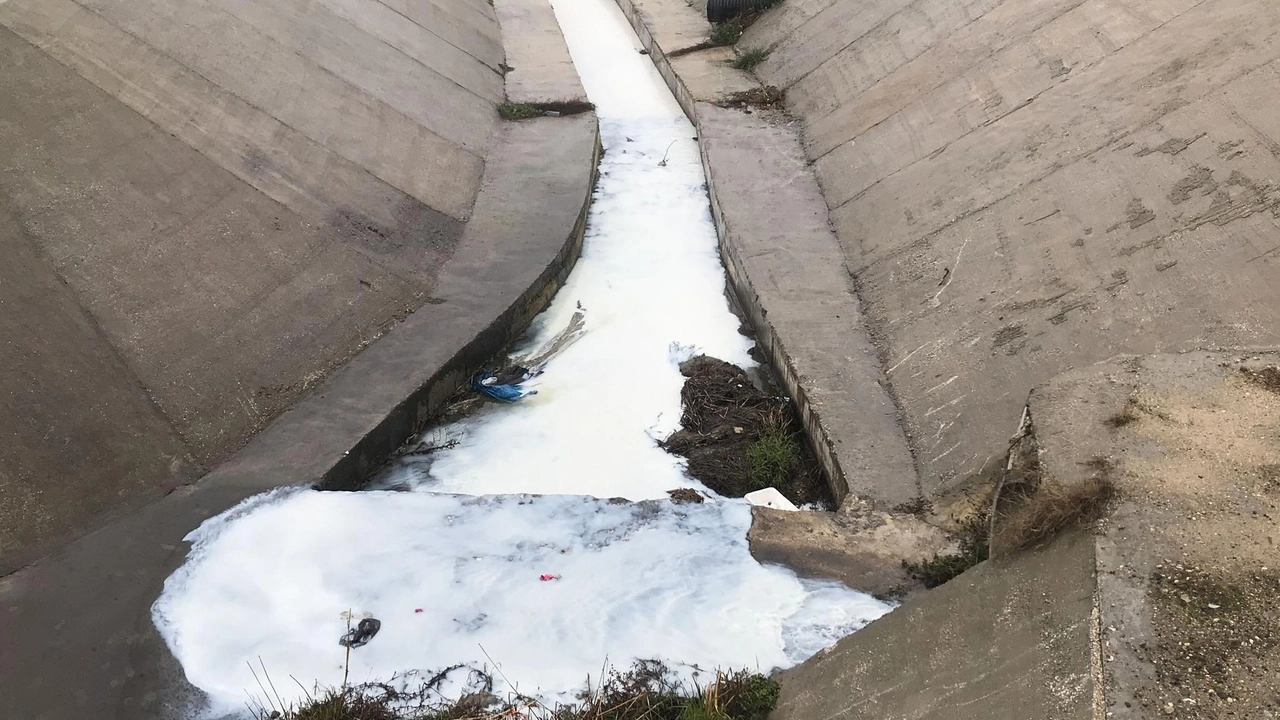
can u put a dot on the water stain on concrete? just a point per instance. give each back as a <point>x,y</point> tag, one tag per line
<point>1138,214</point>
<point>1199,177</point>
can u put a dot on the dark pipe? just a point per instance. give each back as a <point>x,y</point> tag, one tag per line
<point>719,11</point>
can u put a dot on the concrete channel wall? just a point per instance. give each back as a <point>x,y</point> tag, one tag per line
<point>208,207</point>
<point>1024,186</point>
<point>78,638</point>
<point>783,262</point>
<point>1018,191</point>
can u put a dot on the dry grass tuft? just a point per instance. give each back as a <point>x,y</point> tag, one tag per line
<point>1052,509</point>
<point>646,691</point>
<point>1126,416</point>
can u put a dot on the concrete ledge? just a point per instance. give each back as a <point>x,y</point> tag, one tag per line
<point>787,269</point>
<point>864,550</point>
<point>1008,642</point>
<point>78,638</point>
<point>540,71</point>
<point>1186,560</point>
<point>513,257</point>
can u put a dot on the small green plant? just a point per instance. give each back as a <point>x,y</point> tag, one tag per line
<point>749,59</point>
<point>517,111</point>
<point>726,33</point>
<point>940,568</point>
<point>772,457</point>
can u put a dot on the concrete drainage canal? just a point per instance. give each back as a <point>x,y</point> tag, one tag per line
<point>534,541</point>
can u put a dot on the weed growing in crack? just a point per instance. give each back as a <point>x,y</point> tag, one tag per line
<point>726,33</point>
<point>517,111</point>
<point>940,568</point>
<point>749,59</point>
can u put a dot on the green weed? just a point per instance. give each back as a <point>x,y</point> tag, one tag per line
<point>749,59</point>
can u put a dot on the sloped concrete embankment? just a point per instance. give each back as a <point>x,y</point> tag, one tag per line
<point>78,638</point>
<point>783,261</point>
<point>1022,187</point>
<point>788,274</point>
<point>1164,608</point>
<point>209,207</point>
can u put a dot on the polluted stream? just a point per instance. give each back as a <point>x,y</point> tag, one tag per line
<point>539,541</point>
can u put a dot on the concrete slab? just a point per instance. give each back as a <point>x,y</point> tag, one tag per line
<point>976,49</point>
<point>79,640</point>
<point>675,25</point>
<point>541,69</point>
<point>773,27</point>
<point>367,61</point>
<point>901,36</point>
<point>298,91</point>
<point>224,304</point>
<point>864,550</point>
<point>78,431</point>
<point>471,65</point>
<point>709,75</point>
<point>834,30</point>
<point>1186,561</point>
<point>196,107</point>
<point>1023,187</point>
<point>238,196</point>
<point>998,643</point>
<point>468,25</point>
<point>786,265</point>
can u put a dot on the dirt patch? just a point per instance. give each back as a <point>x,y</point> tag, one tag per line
<point>1218,642</point>
<point>1267,377</point>
<point>765,96</point>
<point>738,438</point>
<point>1126,416</point>
<point>682,496</point>
<point>1195,533</point>
<point>1270,476</point>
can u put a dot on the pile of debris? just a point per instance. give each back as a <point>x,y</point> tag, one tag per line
<point>740,439</point>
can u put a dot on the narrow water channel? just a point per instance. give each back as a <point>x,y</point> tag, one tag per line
<point>506,548</point>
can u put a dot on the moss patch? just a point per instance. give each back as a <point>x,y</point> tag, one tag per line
<point>941,568</point>
<point>517,111</point>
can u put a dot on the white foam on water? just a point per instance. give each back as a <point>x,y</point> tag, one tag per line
<point>267,582</point>
<point>654,579</point>
<point>653,287</point>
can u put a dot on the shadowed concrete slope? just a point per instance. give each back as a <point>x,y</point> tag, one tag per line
<point>1165,607</point>
<point>1008,642</point>
<point>1023,186</point>
<point>78,641</point>
<point>206,207</point>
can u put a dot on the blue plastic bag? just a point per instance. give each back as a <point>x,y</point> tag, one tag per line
<point>506,388</point>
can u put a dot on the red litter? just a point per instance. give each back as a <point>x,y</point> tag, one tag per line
<point>548,577</point>
<point>417,610</point>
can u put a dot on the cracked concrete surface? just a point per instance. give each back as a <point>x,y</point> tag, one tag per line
<point>1020,187</point>
<point>210,207</point>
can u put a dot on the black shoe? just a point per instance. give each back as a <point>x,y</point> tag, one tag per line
<point>361,634</point>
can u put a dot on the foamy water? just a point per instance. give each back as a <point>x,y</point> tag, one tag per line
<point>457,565</point>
